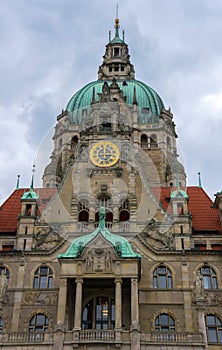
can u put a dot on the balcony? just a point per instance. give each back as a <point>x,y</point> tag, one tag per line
<point>26,337</point>
<point>151,340</point>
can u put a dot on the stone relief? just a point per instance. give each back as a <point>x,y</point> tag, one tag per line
<point>46,238</point>
<point>98,260</point>
<point>37,297</point>
<point>158,240</point>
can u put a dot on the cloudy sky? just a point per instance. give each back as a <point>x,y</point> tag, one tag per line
<point>51,48</point>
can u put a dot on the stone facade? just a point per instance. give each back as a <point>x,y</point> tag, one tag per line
<point>151,278</point>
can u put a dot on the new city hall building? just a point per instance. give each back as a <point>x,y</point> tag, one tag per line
<point>114,251</point>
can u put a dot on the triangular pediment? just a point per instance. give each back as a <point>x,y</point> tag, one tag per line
<point>98,255</point>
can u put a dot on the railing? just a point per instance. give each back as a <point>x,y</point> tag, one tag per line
<point>174,337</point>
<point>100,336</point>
<point>82,226</point>
<point>25,337</point>
<point>97,335</point>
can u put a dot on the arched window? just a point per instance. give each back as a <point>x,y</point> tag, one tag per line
<point>164,323</point>
<point>214,329</point>
<point>99,313</point>
<point>124,215</point>
<point>43,278</point>
<point>153,141</point>
<point>74,141</point>
<point>144,141</point>
<point>4,270</point>
<point>209,277</point>
<point>83,216</point>
<point>162,277</point>
<point>1,325</point>
<point>39,323</point>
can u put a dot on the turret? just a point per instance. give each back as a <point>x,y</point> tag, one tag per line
<point>116,61</point>
<point>27,217</point>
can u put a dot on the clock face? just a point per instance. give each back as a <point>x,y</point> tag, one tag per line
<point>104,154</point>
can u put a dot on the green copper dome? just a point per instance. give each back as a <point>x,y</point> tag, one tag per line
<point>149,102</point>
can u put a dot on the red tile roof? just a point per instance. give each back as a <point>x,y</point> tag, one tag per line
<point>204,217</point>
<point>11,208</point>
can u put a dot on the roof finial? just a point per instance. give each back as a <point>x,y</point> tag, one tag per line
<point>116,26</point>
<point>17,184</point>
<point>32,181</point>
<point>199,180</point>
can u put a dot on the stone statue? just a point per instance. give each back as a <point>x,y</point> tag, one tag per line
<point>108,261</point>
<point>199,286</point>
<point>3,284</point>
<point>102,217</point>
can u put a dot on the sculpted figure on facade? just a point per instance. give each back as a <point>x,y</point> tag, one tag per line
<point>199,286</point>
<point>3,285</point>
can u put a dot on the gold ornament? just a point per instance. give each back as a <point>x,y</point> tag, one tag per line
<point>104,154</point>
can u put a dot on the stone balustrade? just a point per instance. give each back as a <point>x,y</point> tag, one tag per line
<point>25,337</point>
<point>106,336</point>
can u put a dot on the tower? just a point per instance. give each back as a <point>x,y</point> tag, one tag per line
<point>115,251</point>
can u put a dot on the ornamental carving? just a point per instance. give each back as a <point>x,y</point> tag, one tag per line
<point>157,239</point>
<point>37,297</point>
<point>98,260</point>
<point>208,299</point>
<point>46,239</point>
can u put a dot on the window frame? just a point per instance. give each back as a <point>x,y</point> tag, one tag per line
<point>215,329</point>
<point>209,278</point>
<point>166,278</point>
<point>99,306</point>
<point>33,328</point>
<point>169,326</point>
<point>41,280</point>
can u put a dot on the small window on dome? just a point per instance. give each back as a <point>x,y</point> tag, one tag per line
<point>110,69</point>
<point>116,52</point>
<point>84,112</point>
<point>116,68</point>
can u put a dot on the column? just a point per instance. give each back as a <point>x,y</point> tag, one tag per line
<point>18,297</point>
<point>62,302</point>
<point>118,304</point>
<point>78,304</point>
<point>188,313</point>
<point>202,325</point>
<point>134,304</point>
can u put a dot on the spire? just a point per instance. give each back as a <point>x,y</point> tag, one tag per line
<point>17,184</point>
<point>199,180</point>
<point>117,26</point>
<point>32,181</point>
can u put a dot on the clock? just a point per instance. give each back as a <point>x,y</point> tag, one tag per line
<point>104,154</point>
